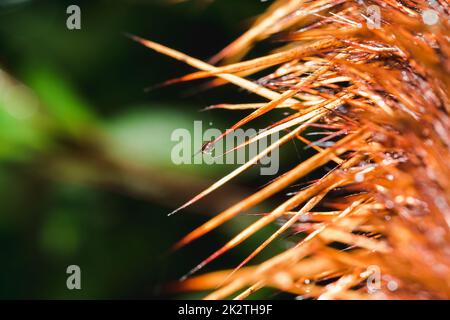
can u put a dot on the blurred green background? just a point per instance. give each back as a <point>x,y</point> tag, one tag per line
<point>85,170</point>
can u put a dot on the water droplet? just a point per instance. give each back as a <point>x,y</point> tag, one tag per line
<point>392,285</point>
<point>389,204</point>
<point>359,177</point>
<point>208,148</point>
<point>430,17</point>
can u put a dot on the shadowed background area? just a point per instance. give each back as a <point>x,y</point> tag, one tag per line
<point>85,171</point>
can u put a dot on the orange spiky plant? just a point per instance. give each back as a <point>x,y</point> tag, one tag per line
<point>380,94</point>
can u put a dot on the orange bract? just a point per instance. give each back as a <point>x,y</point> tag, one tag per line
<point>384,91</point>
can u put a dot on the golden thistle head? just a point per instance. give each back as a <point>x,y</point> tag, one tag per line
<point>372,78</point>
